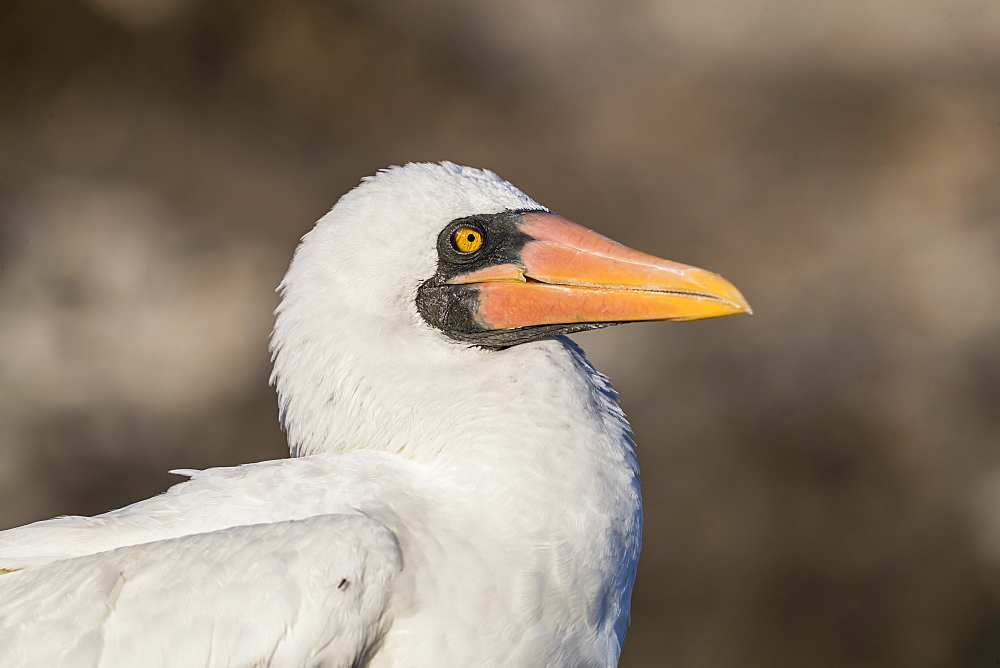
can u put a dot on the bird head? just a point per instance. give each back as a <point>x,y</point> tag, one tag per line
<point>465,253</point>
<point>426,264</point>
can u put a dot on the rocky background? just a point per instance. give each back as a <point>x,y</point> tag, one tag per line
<point>822,480</point>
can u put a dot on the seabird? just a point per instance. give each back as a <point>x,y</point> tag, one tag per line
<point>463,488</point>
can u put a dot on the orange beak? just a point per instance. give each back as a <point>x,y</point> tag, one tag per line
<point>570,274</point>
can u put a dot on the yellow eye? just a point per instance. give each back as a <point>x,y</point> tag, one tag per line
<point>467,239</point>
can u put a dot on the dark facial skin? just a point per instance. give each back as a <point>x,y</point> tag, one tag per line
<point>452,308</point>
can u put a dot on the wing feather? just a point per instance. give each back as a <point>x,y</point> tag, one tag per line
<point>314,591</point>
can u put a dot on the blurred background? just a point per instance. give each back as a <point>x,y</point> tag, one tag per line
<point>822,480</point>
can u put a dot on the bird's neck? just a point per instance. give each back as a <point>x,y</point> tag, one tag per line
<point>537,409</point>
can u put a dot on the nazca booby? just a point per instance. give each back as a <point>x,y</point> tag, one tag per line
<point>463,488</point>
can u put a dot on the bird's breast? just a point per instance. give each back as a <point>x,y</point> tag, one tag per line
<point>515,579</point>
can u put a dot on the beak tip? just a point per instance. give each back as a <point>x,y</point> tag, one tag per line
<point>744,305</point>
<point>731,294</point>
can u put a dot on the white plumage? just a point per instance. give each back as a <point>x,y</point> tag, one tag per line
<point>447,504</point>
